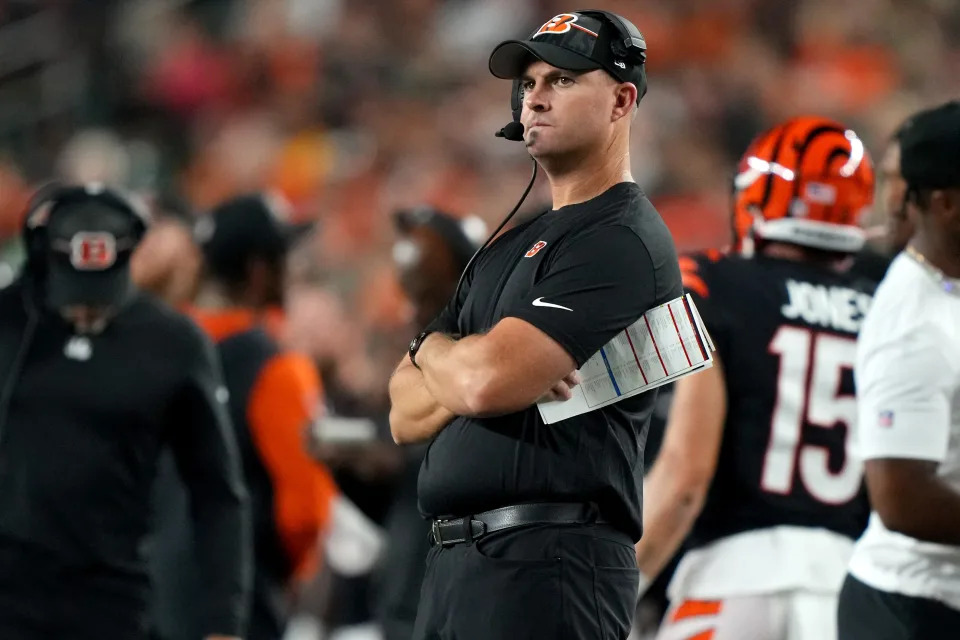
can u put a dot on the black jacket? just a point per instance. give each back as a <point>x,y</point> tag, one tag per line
<point>82,425</point>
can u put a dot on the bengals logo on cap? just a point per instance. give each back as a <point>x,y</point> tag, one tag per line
<point>93,251</point>
<point>561,24</point>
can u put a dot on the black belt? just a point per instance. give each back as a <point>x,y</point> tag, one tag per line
<point>448,532</point>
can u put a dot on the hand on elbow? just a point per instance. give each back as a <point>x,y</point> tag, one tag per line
<point>561,390</point>
<point>492,396</point>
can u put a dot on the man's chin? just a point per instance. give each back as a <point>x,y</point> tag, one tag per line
<point>536,145</point>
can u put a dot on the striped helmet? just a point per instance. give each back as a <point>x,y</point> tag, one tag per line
<point>804,182</point>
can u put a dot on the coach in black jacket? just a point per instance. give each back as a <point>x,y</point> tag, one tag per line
<point>96,379</point>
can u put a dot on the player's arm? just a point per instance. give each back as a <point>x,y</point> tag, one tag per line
<point>676,486</point>
<point>904,430</point>
<point>596,285</point>
<point>283,404</point>
<point>203,443</point>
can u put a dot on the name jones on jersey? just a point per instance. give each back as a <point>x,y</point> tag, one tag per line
<point>839,308</point>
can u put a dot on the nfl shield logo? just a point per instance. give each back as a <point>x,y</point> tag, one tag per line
<point>885,419</point>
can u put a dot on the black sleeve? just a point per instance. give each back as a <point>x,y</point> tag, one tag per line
<point>208,460</point>
<point>600,283</point>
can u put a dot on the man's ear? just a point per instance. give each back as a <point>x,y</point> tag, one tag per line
<point>625,100</point>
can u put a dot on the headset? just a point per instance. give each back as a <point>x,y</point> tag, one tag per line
<point>631,46</point>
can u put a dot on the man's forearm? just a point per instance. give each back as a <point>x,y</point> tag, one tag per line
<point>912,500</point>
<point>936,517</point>
<point>453,372</point>
<point>671,506</point>
<point>415,415</point>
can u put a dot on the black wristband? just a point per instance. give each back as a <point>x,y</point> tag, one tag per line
<point>415,345</point>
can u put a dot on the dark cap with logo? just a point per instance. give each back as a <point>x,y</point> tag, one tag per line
<point>88,262</point>
<point>930,148</point>
<point>577,41</point>
<point>248,226</point>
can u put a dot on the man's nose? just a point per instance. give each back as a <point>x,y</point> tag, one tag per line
<point>535,99</point>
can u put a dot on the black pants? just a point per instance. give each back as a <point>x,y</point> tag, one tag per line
<point>865,613</point>
<point>537,583</point>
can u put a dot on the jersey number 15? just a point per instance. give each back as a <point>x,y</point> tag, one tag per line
<point>808,396</point>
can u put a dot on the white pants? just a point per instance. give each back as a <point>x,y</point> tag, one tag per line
<point>787,615</point>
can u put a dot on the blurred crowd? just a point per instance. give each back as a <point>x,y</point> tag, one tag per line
<point>353,110</point>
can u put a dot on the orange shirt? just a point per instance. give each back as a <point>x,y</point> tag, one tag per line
<point>282,404</point>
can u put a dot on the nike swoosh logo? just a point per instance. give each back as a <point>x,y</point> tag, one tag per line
<point>540,303</point>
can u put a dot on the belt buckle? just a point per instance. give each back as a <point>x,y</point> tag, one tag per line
<point>435,532</point>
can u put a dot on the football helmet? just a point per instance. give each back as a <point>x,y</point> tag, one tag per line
<point>804,182</point>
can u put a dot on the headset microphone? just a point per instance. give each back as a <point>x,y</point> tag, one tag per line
<point>513,131</point>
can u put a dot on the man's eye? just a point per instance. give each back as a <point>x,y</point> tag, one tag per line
<point>564,81</point>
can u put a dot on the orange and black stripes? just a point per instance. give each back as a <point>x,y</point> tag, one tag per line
<point>808,167</point>
<point>693,280</point>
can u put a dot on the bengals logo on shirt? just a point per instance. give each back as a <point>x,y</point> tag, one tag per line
<point>535,249</point>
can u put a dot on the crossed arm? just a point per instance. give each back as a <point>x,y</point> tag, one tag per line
<point>505,370</point>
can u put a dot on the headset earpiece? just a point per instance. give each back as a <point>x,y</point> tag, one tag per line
<point>631,46</point>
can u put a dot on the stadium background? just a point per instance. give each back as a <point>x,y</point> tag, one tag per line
<point>353,109</point>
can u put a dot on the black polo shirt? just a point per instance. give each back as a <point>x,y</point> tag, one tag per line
<point>606,262</point>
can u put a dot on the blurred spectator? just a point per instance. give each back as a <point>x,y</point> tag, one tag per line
<point>274,399</point>
<point>168,262</point>
<point>14,195</point>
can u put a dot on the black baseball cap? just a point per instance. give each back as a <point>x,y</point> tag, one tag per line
<point>247,226</point>
<point>930,148</point>
<point>88,262</point>
<point>577,41</point>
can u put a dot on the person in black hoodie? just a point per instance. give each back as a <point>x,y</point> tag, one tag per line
<point>96,379</point>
